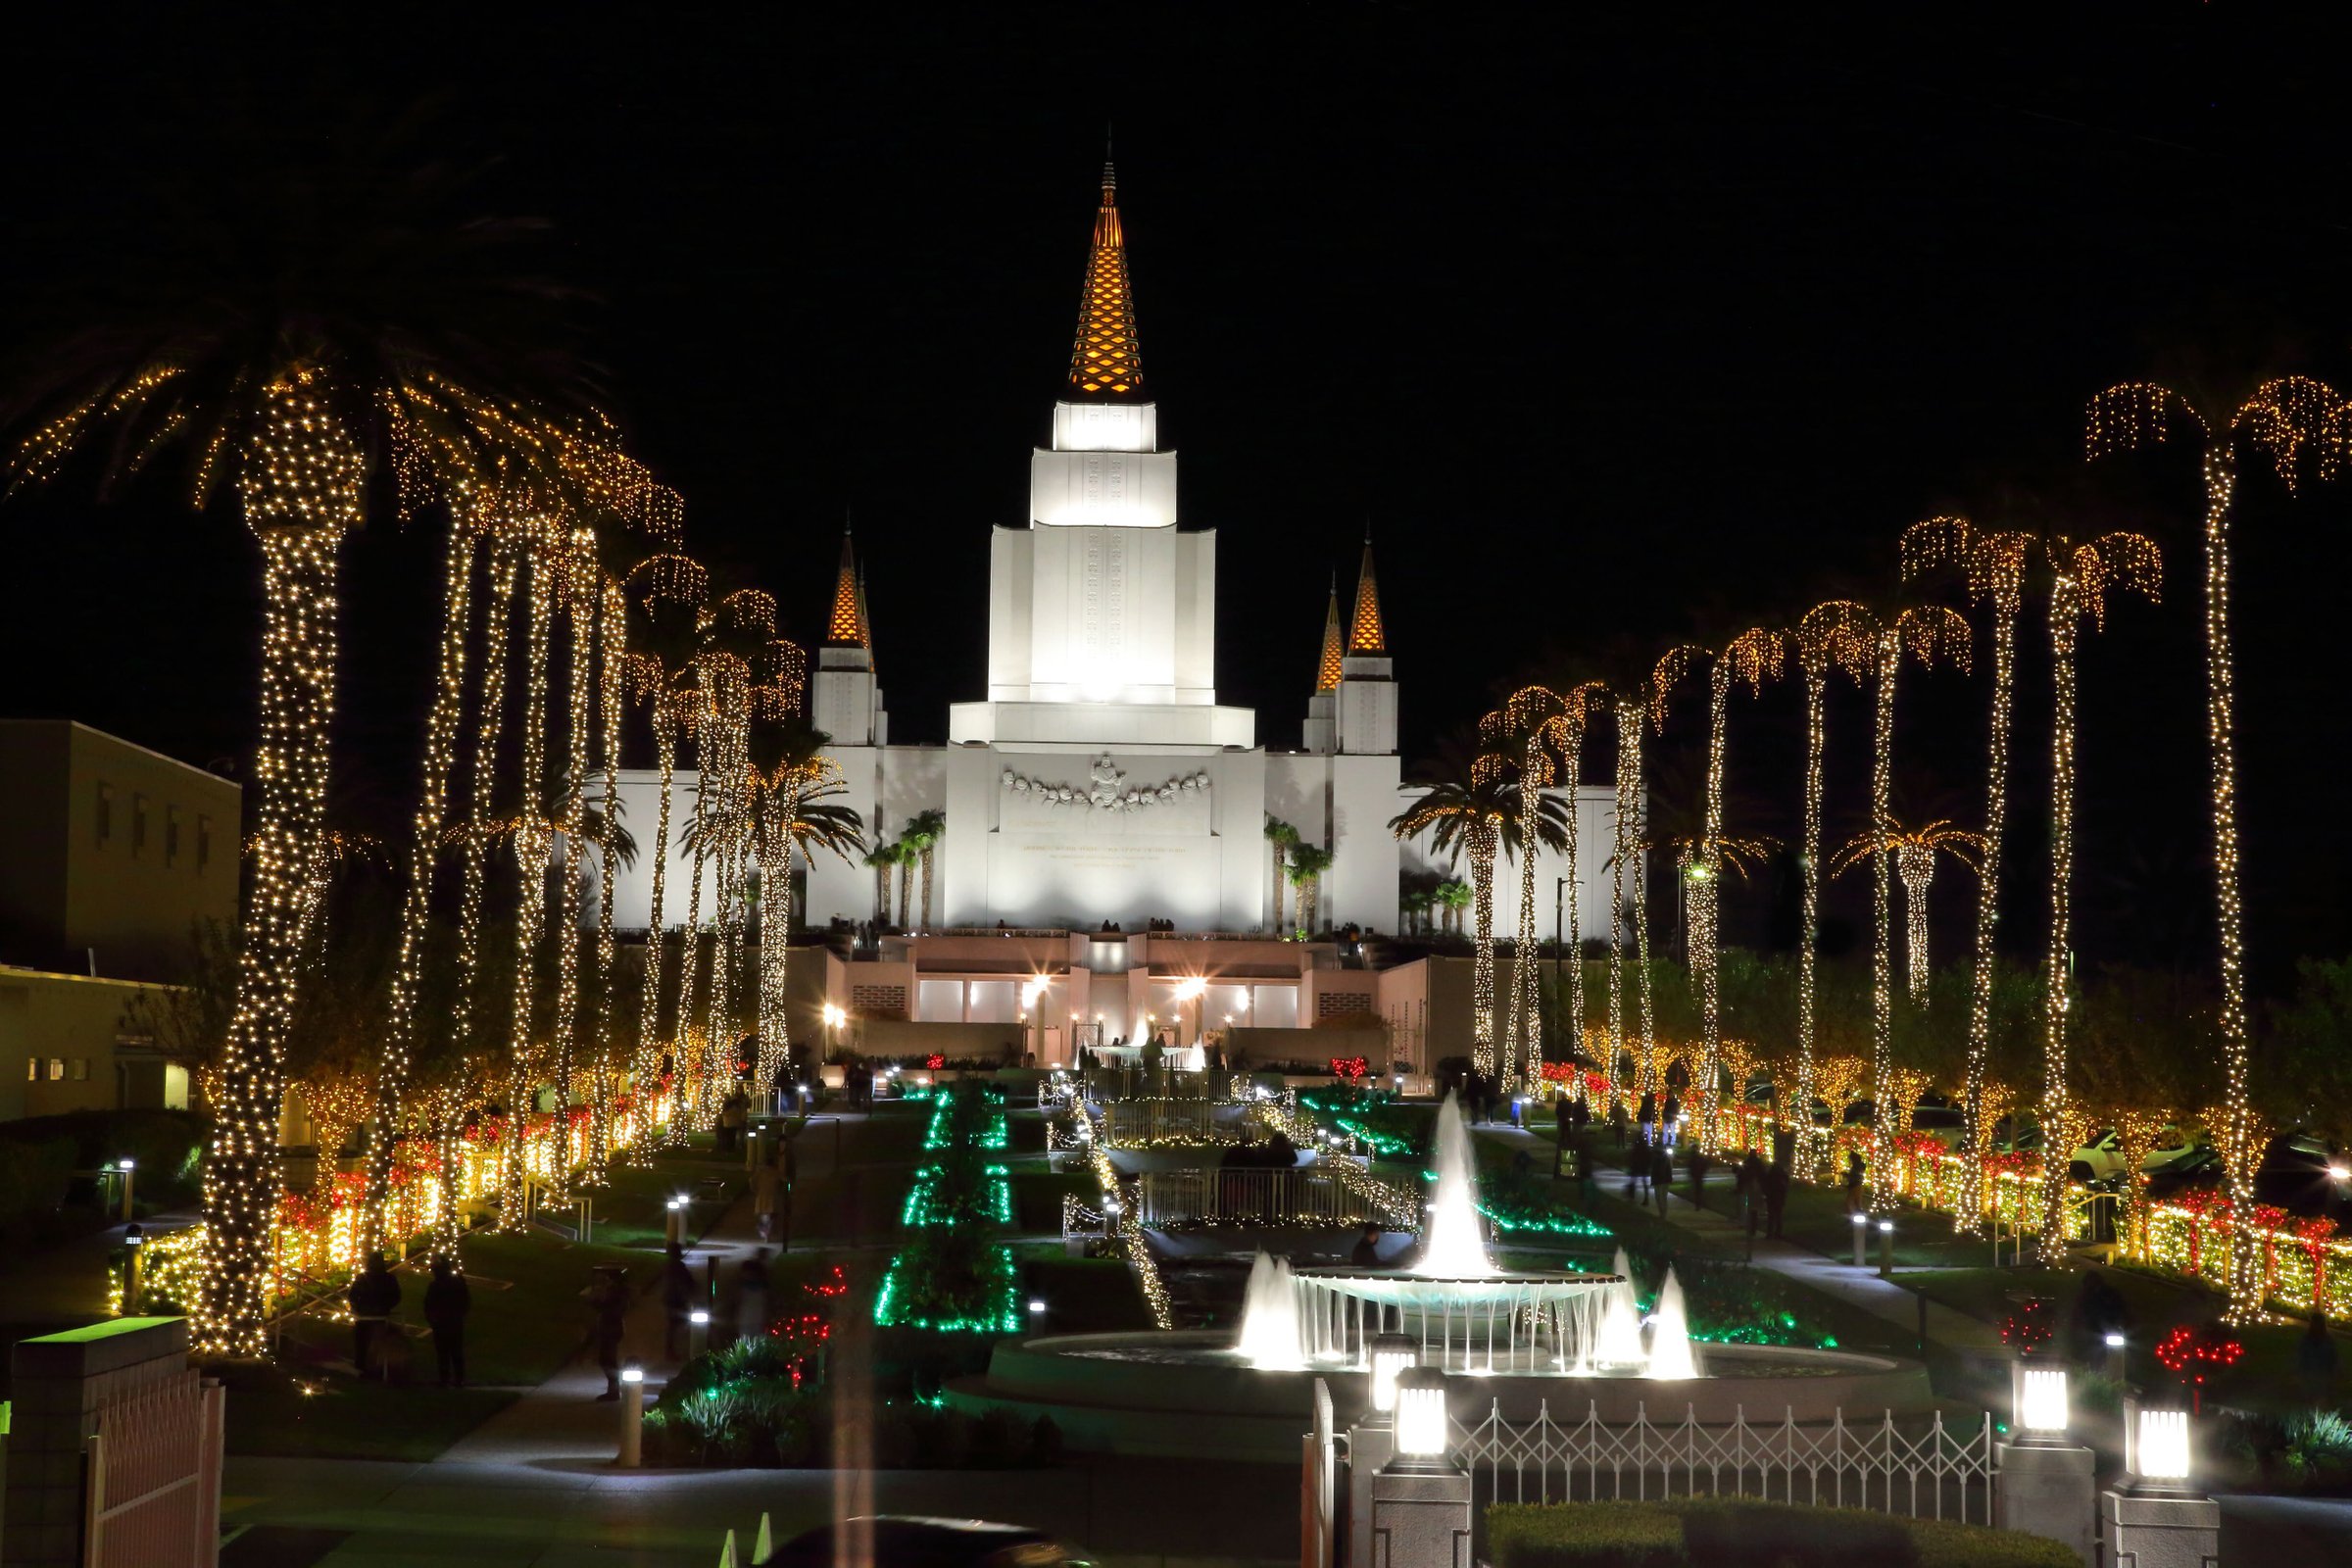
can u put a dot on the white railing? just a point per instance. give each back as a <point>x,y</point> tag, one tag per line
<point>1108,1084</point>
<point>1161,1121</point>
<point>153,1498</point>
<point>1306,1196</point>
<point>1924,1469</point>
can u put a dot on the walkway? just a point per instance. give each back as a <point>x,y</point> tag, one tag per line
<point>1858,1287</point>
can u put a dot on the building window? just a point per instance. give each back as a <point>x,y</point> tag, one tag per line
<point>204,842</point>
<point>57,1069</point>
<point>32,1069</point>
<point>171,835</point>
<point>138,824</point>
<point>81,1069</point>
<point>106,812</point>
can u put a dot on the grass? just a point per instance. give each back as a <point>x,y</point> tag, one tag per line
<point>1084,1294</point>
<point>271,1415</point>
<point>1036,1197</point>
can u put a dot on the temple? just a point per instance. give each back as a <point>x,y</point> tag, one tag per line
<point>1104,869</point>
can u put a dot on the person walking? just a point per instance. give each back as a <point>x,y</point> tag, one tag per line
<point>1748,1187</point>
<point>1650,1111</point>
<point>752,1314</point>
<point>767,1183</point>
<point>1661,1174</point>
<point>1617,1121</point>
<point>1776,1198</point>
<point>1367,1249</point>
<point>1853,1181</point>
<point>1563,1128</point>
<point>373,1295</point>
<point>1699,1165</point>
<point>447,1300</point>
<point>678,1293</point>
<point>1588,1179</point>
<point>608,1296</point>
<point>1637,1163</point>
<point>1670,1125</point>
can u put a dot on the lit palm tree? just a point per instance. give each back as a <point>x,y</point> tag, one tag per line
<point>2291,419</point>
<point>1914,851</point>
<point>794,787</point>
<point>1838,634</point>
<point>2081,575</point>
<point>1994,564</point>
<point>1540,730</point>
<point>1472,808</point>
<point>1753,656</point>
<point>924,830</point>
<point>348,315</point>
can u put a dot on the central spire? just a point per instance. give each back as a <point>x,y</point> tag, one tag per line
<point>1106,364</point>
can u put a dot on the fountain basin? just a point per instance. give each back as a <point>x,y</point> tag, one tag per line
<point>1189,1394</point>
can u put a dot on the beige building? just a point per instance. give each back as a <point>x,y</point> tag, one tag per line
<point>110,854</point>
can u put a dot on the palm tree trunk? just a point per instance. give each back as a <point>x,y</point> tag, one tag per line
<point>1917,867</point>
<point>609,698</point>
<point>483,801</point>
<point>298,676</point>
<point>881,893</point>
<point>649,1004</point>
<point>775,925</point>
<point>926,887</point>
<point>1279,858</point>
<point>580,607</point>
<point>1572,762</point>
<point>1638,858</point>
<point>2057,1150</point>
<point>906,886</point>
<point>1525,1040</point>
<point>1882,952</point>
<point>2238,1142</point>
<point>1969,1218</point>
<point>691,959</point>
<point>1707,912</point>
<point>1624,851</point>
<point>1481,974</point>
<point>440,743</point>
<point>531,848</point>
<point>1809,865</point>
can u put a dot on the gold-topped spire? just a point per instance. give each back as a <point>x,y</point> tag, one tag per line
<point>1365,634</point>
<point>845,626</point>
<point>1329,670</point>
<point>1107,366</point>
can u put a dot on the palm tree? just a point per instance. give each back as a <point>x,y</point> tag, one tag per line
<point>2287,419</point>
<point>1913,849</point>
<point>793,784</point>
<point>1753,656</point>
<point>1453,897</point>
<point>2081,574</point>
<point>923,832</point>
<point>664,639</point>
<point>1532,724</point>
<point>1923,631</point>
<point>345,315</point>
<point>1308,862</point>
<point>879,860</point>
<point>1280,836</point>
<point>1472,807</point>
<point>1838,634</point>
<point>1994,565</point>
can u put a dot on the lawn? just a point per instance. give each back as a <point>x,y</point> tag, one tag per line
<point>297,1415</point>
<point>1083,1295</point>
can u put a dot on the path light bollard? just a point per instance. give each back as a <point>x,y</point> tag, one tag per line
<point>675,1224</point>
<point>1861,1226</point>
<point>2159,1520</point>
<point>1421,1500</point>
<point>632,1416</point>
<point>135,1250</point>
<point>1885,1248</point>
<point>587,1218</point>
<point>699,1340</point>
<point>1372,1440</point>
<point>125,1166</point>
<point>2117,1352</point>
<point>2048,1483</point>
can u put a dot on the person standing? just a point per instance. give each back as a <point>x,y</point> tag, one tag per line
<point>1748,1187</point>
<point>608,1296</point>
<point>751,1315</point>
<point>1853,1181</point>
<point>678,1293</point>
<point>1650,1111</point>
<point>375,1295</point>
<point>1661,1173</point>
<point>1637,1163</point>
<point>1699,1165</point>
<point>1776,1198</point>
<point>767,1183</point>
<point>1617,1121</point>
<point>447,1300</point>
<point>1670,1120</point>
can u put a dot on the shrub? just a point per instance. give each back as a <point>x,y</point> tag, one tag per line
<point>1736,1532</point>
<point>1592,1535</point>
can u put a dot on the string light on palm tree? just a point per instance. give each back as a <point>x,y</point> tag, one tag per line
<point>1993,563</point>
<point>1836,635</point>
<point>533,841</point>
<point>670,592</point>
<point>2081,575</point>
<point>1526,722</point>
<point>2294,420</point>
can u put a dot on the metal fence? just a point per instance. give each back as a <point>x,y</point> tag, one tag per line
<point>1305,1196</point>
<point>1105,1085</point>
<point>1162,1121</point>
<point>1923,1468</point>
<point>152,1497</point>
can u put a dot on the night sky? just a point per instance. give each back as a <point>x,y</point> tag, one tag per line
<point>1607,336</point>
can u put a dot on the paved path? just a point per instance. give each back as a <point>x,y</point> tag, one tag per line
<point>1859,1287</point>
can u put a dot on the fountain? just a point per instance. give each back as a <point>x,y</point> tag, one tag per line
<point>1568,1342</point>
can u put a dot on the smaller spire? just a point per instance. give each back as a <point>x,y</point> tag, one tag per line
<point>844,627</point>
<point>1365,633</point>
<point>1329,669</point>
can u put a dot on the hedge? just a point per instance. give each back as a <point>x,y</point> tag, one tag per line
<point>1735,1532</point>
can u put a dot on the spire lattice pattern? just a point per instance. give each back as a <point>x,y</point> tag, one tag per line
<point>845,626</point>
<point>1365,634</point>
<point>1328,670</point>
<point>1108,363</point>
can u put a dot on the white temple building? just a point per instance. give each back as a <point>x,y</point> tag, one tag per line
<point>1095,785</point>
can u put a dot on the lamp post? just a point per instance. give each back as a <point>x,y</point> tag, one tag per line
<point>125,1166</point>
<point>2118,1350</point>
<point>2047,1482</point>
<point>1420,1500</point>
<point>1372,1440</point>
<point>133,1254</point>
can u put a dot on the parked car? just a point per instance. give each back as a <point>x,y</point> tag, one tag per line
<point>905,1540</point>
<point>2304,1174</point>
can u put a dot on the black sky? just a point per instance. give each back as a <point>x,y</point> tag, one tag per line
<point>1605,332</point>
